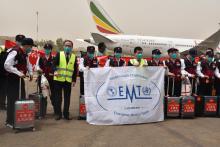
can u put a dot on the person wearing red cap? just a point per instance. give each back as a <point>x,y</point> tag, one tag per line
<point>17,66</point>
<point>155,61</point>
<point>3,74</point>
<point>45,66</point>
<point>205,71</point>
<point>116,61</point>
<point>89,61</point>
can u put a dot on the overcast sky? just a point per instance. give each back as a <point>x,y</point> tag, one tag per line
<point>72,19</point>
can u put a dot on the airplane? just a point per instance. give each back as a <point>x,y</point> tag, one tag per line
<point>114,37</point>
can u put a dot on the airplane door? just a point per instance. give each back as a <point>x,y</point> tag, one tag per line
<point>171,44</point>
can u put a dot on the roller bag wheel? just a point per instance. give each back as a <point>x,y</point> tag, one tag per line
<point>40,104</point>
<point>24,114</point>
<point>187,107</point>
<point>82,108</point>
<point>210,106</point>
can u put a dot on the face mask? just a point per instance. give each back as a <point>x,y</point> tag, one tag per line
<point>118,55</point>
<point>157,56</point>
<point>90,55</point>
<point>139,55</point>
<point>100,54</point>
<point>47,51</point>
<point>174,56</point>
<point>192,58</point>
<point>210,59</point>
<point>28,50</point>
<point>18,43</point>
<point>67,50</point>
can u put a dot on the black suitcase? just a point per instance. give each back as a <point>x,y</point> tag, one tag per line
<point>187,107</point>
<point>199,106</point>
<point>172,104</point>
<point>210,106</point>
<point>173,107</point>
<point>82,108</point>
<point>40,104</point>
<point>187,101</point>
<point>218,106</point>
<point>199,102</point>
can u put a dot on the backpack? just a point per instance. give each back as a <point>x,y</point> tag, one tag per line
<point>3,57</point>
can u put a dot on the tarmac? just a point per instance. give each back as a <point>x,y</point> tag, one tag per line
<point>198,132</point>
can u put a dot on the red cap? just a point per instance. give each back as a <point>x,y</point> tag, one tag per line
<point>9,44</point>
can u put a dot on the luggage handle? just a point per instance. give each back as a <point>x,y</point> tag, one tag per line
<point>19,93</point>
<point>168,85</point>
<point>173,86</point>
<point>196,86</point>
<point>38,83</point>
<point>20,89</point>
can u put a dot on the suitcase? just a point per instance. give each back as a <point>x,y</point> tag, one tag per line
<point>199,102</point>
<point>82,108</point>
<point>187,101</point>
<point>24,113</point>
<point>218,106</point>
<point>187,107</point>
<point>173,107</point>
<point>172,104</point>
<point>210,106</point>
<point>40,104</point>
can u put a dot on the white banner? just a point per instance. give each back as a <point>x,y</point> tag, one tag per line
<point>124,95</point>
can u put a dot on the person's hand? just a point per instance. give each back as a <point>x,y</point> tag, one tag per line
<point>206,76</point>
<point>22,76</point>
<point>56,74</point>
<point>31,78</point>
<point>183,77</point>
<point>40,71</point>
<point>171,74</point>
<point>74,84</point>
<point>193,76</point>
<point>87,67</point>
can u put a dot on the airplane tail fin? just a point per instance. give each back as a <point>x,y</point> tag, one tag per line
<point>103,21</point>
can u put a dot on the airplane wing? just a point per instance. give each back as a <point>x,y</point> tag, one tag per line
<point>211,42</point>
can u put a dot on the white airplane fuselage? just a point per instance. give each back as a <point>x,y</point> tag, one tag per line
<point>149,43</point>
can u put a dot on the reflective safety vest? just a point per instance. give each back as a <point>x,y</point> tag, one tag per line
<point>141,64</point>
<point>64,70</point>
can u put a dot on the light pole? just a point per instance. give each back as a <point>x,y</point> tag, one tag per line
<point>37,13</point>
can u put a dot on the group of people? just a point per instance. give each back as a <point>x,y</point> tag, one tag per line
<point>61,71</point>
